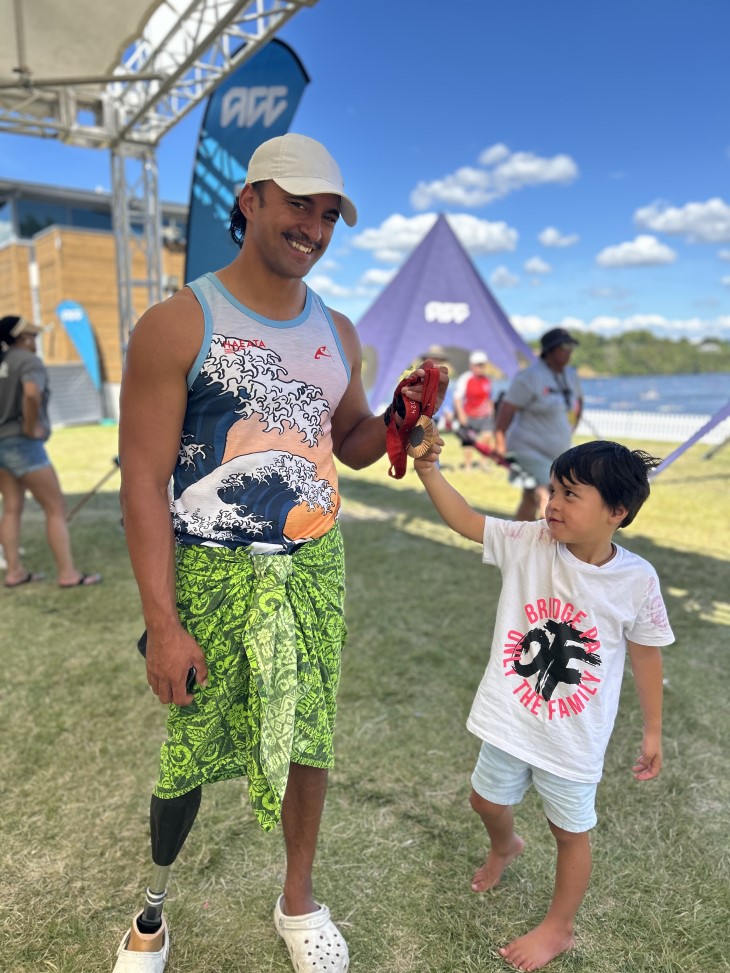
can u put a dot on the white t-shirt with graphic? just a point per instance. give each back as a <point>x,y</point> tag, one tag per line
<point>550,692</point>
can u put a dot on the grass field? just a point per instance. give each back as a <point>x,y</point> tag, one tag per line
<point>81,732</point>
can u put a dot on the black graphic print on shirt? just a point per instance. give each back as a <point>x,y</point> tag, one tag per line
<point>555,662</point>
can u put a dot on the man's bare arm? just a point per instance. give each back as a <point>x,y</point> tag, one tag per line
<point>358,436</point>
<point>162,348</point>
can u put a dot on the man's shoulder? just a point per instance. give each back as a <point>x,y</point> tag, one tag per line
<point>171,331</point>
<point>180,312</point>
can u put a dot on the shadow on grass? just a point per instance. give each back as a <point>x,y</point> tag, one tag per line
<point>399,842</point>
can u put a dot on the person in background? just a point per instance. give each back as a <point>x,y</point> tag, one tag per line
<point>446,414</point>
<point>536,419</point>
<point>24,463</point>
<point>474,407</point>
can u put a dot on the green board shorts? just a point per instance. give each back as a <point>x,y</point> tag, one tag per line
<point>272,629</point>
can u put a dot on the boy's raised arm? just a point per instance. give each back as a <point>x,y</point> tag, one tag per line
<point>646,663</point>
<point>451,506</point>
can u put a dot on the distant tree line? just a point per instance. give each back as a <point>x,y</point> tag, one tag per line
<point>644,353</point>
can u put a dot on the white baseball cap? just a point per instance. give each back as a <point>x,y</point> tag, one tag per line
<point>20,326</point>
<point>303,167</point>
<point>478,358</point>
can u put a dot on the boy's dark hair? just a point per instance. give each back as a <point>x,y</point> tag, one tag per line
<point>237,227</point>
<point>619,474</point>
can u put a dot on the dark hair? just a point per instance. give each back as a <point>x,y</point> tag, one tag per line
<point>6,326</point>
<point>237,227</point>
<point>619,474</point>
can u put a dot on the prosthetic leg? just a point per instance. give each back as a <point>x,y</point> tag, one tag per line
<point>170,823</point>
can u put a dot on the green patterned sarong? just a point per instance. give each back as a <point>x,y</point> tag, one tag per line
<point>272,629</point>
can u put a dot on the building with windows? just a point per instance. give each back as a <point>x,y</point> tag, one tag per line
<point>57,244</point>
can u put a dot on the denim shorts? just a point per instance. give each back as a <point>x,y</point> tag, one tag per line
<point>503,779</point>
<point>20,455</point>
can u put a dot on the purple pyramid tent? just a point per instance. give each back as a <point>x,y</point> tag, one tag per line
<point>719,416</point>
<point>437,298</point>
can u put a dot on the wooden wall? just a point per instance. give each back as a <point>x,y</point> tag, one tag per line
<point>15,295</point>
<point>80,265</point>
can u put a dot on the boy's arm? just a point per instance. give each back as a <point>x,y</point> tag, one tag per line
<point>646,663</point>
<point>451,506</point>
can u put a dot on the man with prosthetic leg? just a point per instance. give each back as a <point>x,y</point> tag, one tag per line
<point>170,824</point>
<point>244,389</point>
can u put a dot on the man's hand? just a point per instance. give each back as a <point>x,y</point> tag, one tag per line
<point>169,658</point>
<point>415,392</point>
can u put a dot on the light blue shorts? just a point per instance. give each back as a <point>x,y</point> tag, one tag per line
<point>536,471</point>
<point>20,455</point>
<point>503,779</point>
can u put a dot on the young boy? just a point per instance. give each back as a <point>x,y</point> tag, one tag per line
<point>572,602</point>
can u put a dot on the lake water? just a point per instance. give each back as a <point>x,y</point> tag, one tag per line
<point>670,394</point>
<point>679,394</point>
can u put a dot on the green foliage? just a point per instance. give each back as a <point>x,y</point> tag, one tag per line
<point>81,734</point>
<point>643,353</point>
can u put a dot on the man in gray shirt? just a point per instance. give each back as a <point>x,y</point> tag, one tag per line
<point>537,417</point>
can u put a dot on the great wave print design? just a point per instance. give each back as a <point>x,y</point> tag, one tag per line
<point>246,499</point>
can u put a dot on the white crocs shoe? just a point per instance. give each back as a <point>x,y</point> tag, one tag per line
<point>142,961</point>
<point>314,942</point>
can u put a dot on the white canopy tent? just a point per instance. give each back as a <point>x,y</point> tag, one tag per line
<point>118,76</point>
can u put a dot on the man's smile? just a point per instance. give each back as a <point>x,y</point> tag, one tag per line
<point>302,246</point>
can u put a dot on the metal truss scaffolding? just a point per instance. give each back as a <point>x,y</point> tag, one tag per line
<point>182,52</point>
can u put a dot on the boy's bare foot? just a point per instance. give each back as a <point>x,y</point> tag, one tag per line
<point>489,874</point>
<point>537,948</point>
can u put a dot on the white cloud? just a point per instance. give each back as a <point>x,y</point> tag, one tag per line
<point>503,173</point>
<point>552,237</point>
<point>325,286</point>
<point>724,254</point>
<point>494,154</point>
<point>726,281</point>
<point>395,236</point>
<point>502,277</point>
<point>693,329</point>
<point>707,222</point>
<point>536,265</point>
<point>483,236</point>
<point>378,277</point>
<point>398,235</point>
<point>643,251</point>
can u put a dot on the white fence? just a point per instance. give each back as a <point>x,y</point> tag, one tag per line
<point>659,427</point>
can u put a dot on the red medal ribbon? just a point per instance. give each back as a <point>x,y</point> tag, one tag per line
<point>396,438</point>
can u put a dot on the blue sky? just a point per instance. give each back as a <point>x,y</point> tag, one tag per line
<point>580,149</point>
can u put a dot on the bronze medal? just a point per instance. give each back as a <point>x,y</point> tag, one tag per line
<point>421,438</point>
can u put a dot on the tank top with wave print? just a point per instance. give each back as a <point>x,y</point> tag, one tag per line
<point>256,466</point>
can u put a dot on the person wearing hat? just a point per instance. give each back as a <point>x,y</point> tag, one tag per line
<point>243,388</point>
<point>474,407</point>
<point>536,419</point>
<point>24,463</point>
<point>446,415</point>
